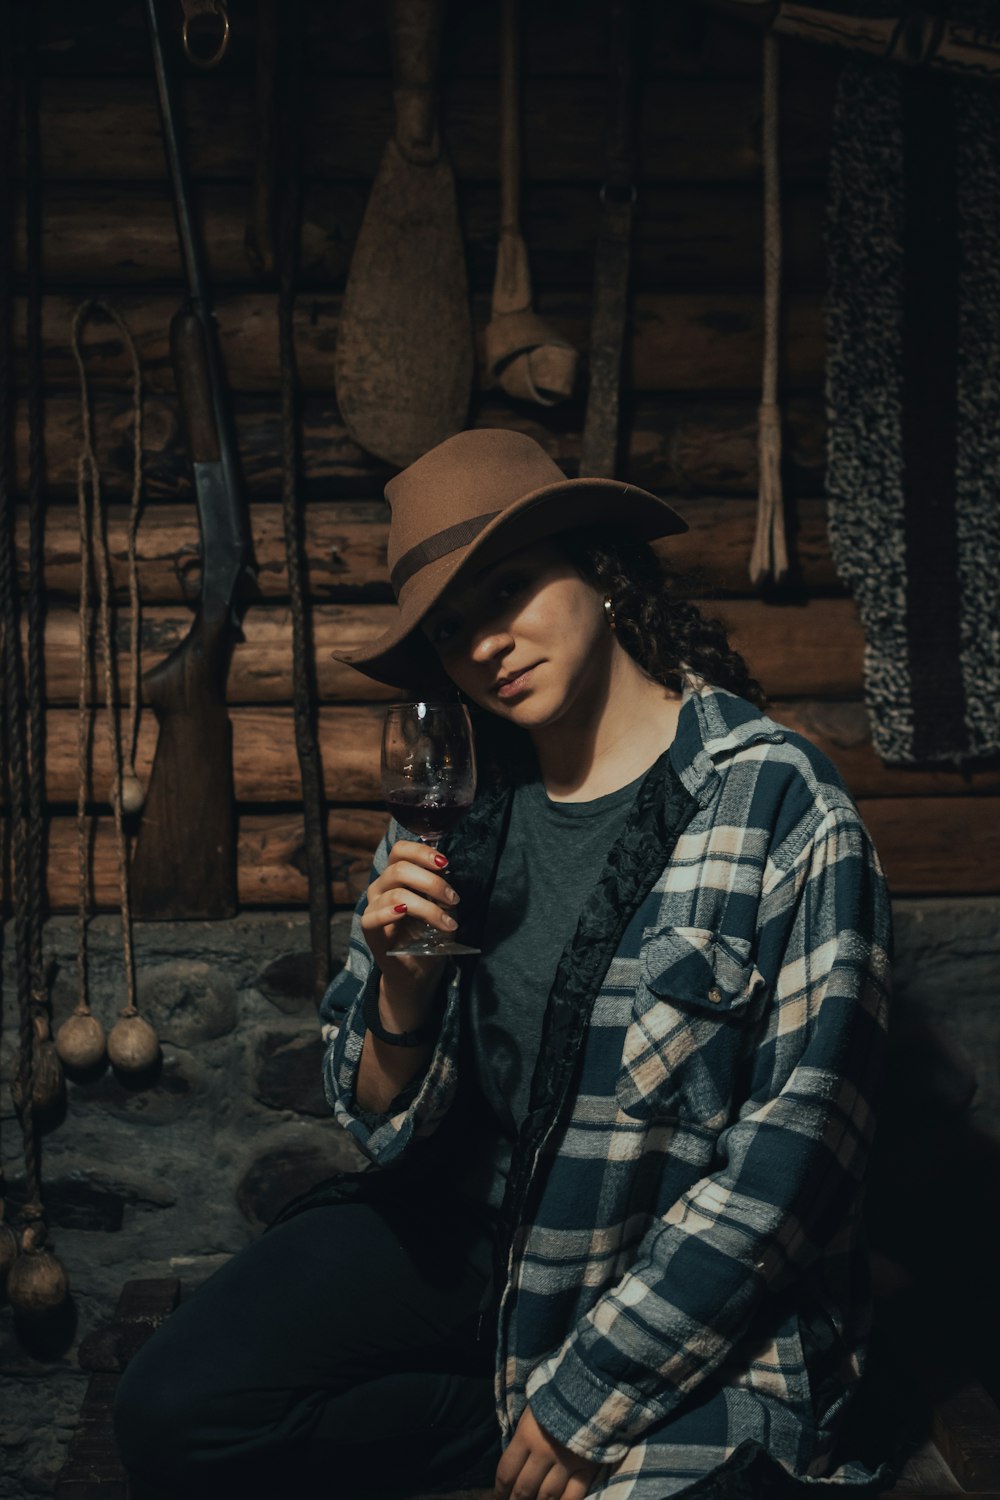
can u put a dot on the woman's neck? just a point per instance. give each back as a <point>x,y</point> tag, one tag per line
<point>609,738</point>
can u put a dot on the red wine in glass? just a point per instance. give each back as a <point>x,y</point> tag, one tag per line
<point>429,781</point>
<point>420,813</point>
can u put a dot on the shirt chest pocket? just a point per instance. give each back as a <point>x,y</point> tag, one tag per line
<point>688,1032</point>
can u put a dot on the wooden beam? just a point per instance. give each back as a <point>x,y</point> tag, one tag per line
<point>676,445</point>
<point>271,859</point>
<point>842,731</point>
<point>345,544</point>
<point>345,40</point>
<point>266,767</point>
<point>687,342</point>
<point>686,236</point>
<point>929,846</point>
<point>811,648</point>
<point>937,846</point>
<point>698,130</point>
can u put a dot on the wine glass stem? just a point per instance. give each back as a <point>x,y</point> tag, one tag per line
<point>430,932</point>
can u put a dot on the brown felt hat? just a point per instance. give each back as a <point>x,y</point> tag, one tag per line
<point>465,504</point>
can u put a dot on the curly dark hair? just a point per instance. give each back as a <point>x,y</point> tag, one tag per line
<point>665,633</point>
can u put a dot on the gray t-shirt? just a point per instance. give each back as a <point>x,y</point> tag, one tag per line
<point>552,856</point>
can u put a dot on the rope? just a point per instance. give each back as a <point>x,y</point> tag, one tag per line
<point>769,558</point>
<point>35,646</point>
<point>303,683</point>
<point>13,715</point>
<point>88,474</point>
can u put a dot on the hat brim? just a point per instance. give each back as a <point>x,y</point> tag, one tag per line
<point>402,656</point>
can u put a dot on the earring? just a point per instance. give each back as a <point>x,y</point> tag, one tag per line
<point>609,611</point>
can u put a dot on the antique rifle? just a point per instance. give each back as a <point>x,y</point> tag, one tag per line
<point>185,856</point>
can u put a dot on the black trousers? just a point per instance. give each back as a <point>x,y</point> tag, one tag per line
<point>345,1349</point>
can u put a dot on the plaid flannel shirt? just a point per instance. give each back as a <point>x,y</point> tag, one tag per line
<point>685,1275</point>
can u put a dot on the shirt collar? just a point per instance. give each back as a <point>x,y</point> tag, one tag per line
<point>713,725</point>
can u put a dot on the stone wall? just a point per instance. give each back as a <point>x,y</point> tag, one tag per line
<point>174,1176</point>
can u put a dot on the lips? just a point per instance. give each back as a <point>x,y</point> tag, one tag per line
<point>513,683</point>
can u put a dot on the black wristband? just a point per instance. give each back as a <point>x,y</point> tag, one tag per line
<point>418,1038</point>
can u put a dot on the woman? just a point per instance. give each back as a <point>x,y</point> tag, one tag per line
<point>610,1245</point>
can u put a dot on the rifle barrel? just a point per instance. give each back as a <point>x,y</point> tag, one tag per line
<point>175,162</point>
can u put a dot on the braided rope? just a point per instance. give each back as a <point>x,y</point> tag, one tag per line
<point>769,558</point>
<point>13,696</point>
<point>35,647</point>
<point>88,475</point>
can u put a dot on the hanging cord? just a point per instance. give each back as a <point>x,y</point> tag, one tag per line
<point>36,1282</point>
<point>132,1043</point>
<point>303,676</point>
<point>769,558</point>
<point>47,1081</point>
<point>35,647</point>
<point>12,717</point>
<point>8,1240</point>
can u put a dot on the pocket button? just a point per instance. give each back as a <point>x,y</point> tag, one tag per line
<point>715,994</point>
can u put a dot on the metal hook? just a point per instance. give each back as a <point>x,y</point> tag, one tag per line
<point>193,9</point>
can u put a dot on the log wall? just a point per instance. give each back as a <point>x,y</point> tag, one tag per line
<point>693,369</point>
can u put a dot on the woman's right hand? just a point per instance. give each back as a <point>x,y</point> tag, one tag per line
<point>412,889</point>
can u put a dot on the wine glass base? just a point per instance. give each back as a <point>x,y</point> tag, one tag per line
<point>422,948</point>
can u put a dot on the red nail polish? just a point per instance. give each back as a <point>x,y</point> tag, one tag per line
<point>401,908</point>
<point>440,860</point>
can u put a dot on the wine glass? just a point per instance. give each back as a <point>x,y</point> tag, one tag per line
<point>428,780</point>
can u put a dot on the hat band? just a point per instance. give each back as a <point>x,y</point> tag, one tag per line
<point>438,545</point>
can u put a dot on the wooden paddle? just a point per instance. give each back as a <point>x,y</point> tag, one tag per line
<point>524,354</point>
<point>404,356</point>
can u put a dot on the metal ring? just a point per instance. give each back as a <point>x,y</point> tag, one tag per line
<point>617,193</point>
<point>217,56</point>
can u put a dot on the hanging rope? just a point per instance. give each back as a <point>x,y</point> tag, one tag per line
<point>303,683</point>
<point>769,558</point>
<point>132,1044</point>
<point>36,1282</point>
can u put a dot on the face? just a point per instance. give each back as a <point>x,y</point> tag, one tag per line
<point>525,638</point>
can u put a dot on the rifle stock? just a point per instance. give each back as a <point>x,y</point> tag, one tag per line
<point>184,863</point>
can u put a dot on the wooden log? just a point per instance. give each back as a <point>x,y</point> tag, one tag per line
<point>675,445</point>
<point>345,38</point>
<point>701,130</point>
<point>929,846</point>
<point>686,237</point>
<point>345,548</point>
<point>842,731</point>
<point>810,648</point>
<point>265,764</point>
<point>937,845</point>
<point>270,853</point>
<point>962,47</point>
<point>692,342</point>
<point>266,767</point>
<point>261,670</point>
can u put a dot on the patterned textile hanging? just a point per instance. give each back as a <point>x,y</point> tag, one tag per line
<point>913,399</point>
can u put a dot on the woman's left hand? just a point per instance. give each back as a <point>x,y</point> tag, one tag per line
<point>537,1467</point>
